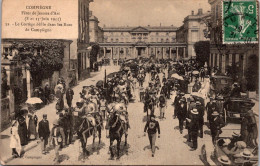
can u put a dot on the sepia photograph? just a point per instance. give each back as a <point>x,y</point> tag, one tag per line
<point>129,82</point>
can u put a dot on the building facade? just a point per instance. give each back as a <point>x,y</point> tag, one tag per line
<point>243,58</point>
<point>96,33</point>
<point>83,52</point>
<point>133,42</point>
<point>192,31</point>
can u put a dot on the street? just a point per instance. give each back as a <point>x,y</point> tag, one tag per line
<point>171,146</point>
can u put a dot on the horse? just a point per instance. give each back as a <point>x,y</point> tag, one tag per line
<point>116,129</point>
<point>86,130</point>
<point>149,103</point>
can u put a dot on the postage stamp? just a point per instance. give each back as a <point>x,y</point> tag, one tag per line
<point>240,21</point>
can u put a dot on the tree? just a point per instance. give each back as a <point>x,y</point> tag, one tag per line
<point>202,50</point>
<point>41,65</point>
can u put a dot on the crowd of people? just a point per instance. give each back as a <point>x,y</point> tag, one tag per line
<point>98,103</point>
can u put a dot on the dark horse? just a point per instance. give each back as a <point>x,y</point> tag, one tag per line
<point>116,129</point>
<point>86,130</point>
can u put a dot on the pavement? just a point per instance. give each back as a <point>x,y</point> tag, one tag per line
<point>171,149</point>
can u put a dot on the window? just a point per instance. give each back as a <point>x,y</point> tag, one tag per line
<point>167,33</point>
<point>122,33</point>
<point>157,33</point>
<point>112,40</point>
<point>162,40</point>
<point>117,40</point>
<point>167,40</point>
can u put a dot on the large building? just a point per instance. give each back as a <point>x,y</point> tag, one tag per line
<point>192,31</point>
<point>132,42</point>
<point>96,33</point>
<point>241,57</point>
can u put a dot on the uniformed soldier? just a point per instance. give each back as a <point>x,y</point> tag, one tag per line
<point>152,127</point>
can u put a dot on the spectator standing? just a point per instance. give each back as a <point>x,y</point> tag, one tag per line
<point>69,96</point>
<point>47,93</point>
<point>22,128</point>
<point>44,133</point>
<point>15,143</point>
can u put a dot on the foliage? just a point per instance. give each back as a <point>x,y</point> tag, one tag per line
<point>202,50</point>
<point>42,65</point>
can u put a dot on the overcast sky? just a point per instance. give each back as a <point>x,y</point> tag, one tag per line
<point>145,12</point>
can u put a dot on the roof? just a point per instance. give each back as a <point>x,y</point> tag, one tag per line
<point>141,28</point>
<point>197,17</point>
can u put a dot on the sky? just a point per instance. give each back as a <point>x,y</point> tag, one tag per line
<point>145,12</point>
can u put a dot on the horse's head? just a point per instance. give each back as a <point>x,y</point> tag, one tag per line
<point>111,120</point>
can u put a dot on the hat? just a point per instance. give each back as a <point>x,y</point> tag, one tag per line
<point>194,111</point>
<point>198,102</point>
<point>211,98</point>
<point>44,115</point>
<point>246,153</point>
<point>182,93</point>
<point>220,97</point>
<point>25,108</point>
<point>215,113</point>
<point>55,122</point>
<point>224,160</point>
<point>240,144</point>
<point>226,141</point>
<point>235,134</point>
<point>191,98</point>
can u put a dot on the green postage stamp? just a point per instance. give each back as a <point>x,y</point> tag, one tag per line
<point>240,21</point>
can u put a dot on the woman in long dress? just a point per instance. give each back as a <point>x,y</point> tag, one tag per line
<point>15,142</point>
<point>33,119</point>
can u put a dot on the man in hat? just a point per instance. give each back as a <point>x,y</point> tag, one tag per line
<point>210,107</point>
<point>215,123</point>
<point>44,132</point>
<point>194,128</point>
<point>176,103</point>
<point>57,138</point>
<point>235,138</point>
<point>181,114</point>
<point>200,109</point>
<point>152,127</point>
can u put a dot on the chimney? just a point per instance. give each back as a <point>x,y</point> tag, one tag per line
<point>192,12</point>
<point>90,13</point>
<point>200,11</point>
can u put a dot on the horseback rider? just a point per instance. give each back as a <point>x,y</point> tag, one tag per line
<point>90,115</point>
